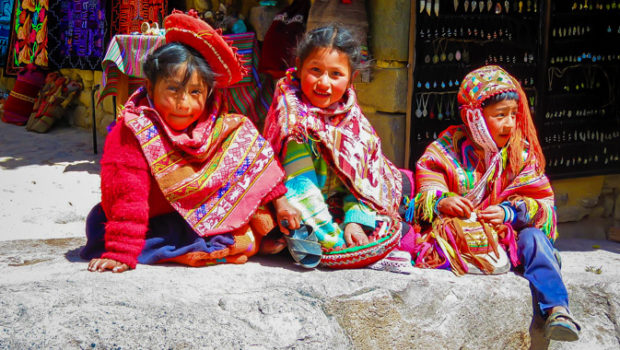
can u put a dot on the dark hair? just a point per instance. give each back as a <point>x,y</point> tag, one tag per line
<point>502,96</point>
<point>165,61</point>
<point>335,36</point>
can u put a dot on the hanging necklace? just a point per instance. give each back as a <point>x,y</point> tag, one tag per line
<point>443,46</point>
<point>425,105</point>
<point>451,103</point>
<point>440,107</point>
<point>418,111</point>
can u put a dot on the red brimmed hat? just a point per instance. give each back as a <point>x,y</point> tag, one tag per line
<point>190,30</point>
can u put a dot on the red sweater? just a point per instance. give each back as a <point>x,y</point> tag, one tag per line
<point>130,196</point>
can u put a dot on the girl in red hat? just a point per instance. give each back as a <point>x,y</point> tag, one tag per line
<point>181,179</point>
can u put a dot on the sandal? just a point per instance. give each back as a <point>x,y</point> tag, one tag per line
<point>561,326</point>
<point>304,246</point>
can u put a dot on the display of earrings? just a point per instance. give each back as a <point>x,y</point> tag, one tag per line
<point>579,129</point>
<point>453,37</point>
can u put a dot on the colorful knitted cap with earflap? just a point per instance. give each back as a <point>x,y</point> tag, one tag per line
<point>190,30</point>
<point>483,83</point>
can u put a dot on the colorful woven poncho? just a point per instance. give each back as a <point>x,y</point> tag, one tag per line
<point>216,174</point>
<point>465,161</point>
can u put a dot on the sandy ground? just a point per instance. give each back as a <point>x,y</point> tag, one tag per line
<point>48,182</point>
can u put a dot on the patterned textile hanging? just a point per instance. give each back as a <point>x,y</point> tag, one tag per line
<point>252,95</point>
<point>77,34</point>
<point>28,36</point>
<point>128,15</point>
<point>6,12</point>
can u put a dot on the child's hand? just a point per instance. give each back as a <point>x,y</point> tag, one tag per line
<point>493,214</point>
<point>285,211</point>
<point>455,206</point>
<point>102,265</point>
<point>354,235</point>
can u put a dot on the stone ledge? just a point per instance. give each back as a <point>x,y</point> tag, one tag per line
<point>50,300</point>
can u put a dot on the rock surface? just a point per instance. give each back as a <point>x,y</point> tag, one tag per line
<point>49,300</point>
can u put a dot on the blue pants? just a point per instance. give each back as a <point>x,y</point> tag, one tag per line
<point>541,269</point>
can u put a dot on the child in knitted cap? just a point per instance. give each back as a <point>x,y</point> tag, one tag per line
<point>488,176</point>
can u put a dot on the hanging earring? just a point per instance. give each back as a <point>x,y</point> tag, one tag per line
<point>456,5</point>
<point>437,8</point>
<point>422,5</point>
<point>429,5</point>
<point>489,5</point>
<point>466,5</point>
<point>507,6</point>
<point>498,8</point>
<point>474,4</point>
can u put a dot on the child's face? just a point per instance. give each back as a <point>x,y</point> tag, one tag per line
<point>501,120</point>
<point>179,105</point>
<point>325,76</point>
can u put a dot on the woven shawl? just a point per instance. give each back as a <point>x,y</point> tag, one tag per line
<point>215,174</point>
<point>352,148</point>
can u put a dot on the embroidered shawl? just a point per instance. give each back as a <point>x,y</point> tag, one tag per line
<point>352,148</point>
<point>216,173</point>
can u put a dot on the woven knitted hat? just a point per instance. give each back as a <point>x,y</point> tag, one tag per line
<point>190,30</point>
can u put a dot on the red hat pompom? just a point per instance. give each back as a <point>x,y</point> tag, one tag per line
<point>190,30</point>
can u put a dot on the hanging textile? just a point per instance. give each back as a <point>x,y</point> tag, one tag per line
<point>128,15</point>
<point>252,95</point>
<point>77,34</point>
<point>6,11</point>
<point>28,35</point>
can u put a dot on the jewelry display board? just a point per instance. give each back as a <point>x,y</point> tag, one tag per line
<point>561,51</point>
<point>580,128</point>
<point>454,37</point>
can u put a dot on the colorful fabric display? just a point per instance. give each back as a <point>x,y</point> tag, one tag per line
<point>77,34</point>
<point>29,35</point>
<point>124,56</point>
<point>6,12</point>
<point>128,15</point>
<point>19,105</point>
<point>54,99</point>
